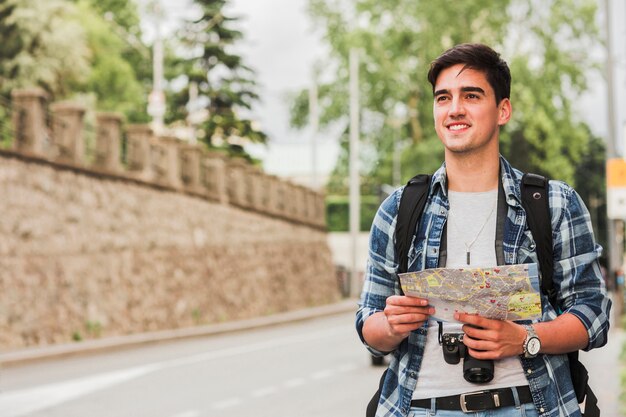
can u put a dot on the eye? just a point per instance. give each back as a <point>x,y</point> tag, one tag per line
<point>440,99</point>
<point>472,96</point>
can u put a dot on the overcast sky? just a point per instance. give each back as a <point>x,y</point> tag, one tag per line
<point>279,43</point>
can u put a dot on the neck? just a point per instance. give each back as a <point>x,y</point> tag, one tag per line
<point>472,174</point>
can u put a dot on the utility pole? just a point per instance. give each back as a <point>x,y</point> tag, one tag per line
<point>615,227</point>
<point>355,197</point>
<point>615,255</point>
<point>156,100</point>
<point>314,122</point>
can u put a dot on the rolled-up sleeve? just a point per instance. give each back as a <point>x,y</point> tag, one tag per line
<point>577,274</point>
<point>380,277</point>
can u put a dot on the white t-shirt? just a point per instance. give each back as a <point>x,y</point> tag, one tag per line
<point>471,216</point>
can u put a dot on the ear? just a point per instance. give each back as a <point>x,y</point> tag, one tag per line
<point>504,111</point>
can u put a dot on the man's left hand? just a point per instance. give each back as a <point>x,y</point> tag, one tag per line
<point>491,339</point>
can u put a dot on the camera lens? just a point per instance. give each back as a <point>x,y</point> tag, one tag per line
<point>477,371</point>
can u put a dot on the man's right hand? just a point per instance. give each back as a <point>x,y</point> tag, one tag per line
<point>385,330</point>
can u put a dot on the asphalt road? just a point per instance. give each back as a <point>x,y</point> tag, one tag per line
<point>306,368</point>
<point>310,368</point>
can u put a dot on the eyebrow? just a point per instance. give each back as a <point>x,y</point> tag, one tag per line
<point>463,90</point>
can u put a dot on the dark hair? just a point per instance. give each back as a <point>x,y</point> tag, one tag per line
<point>478,57</point>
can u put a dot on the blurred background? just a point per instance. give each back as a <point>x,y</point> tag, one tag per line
<point>204,173</point>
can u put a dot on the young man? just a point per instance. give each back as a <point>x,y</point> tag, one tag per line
<point>470,195</point>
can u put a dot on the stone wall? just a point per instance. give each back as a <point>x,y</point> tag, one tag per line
<point>178,238</point>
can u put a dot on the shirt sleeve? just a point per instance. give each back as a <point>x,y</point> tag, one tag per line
<point>577,274</point>
<point>381,280</point>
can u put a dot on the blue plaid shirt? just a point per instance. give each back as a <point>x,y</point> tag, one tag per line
<point>577,279</point>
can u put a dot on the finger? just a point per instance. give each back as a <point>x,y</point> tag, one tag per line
<point>395,319</point>
<point>468,318</point>
<point>479,344</point>
<point>403,300</point>
<point>392,310</point>
<point>407,318</point>
<point>479,333</point>
<point>484,354</point>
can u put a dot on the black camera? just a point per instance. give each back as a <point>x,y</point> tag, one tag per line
<point>474,370</point>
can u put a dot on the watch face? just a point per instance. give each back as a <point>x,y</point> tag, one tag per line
<point>533,346</point>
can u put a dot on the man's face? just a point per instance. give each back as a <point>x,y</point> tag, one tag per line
<point>467,118</point>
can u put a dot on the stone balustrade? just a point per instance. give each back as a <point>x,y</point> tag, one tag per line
<point>161,161</point>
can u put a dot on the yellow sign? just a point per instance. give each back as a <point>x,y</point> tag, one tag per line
<point>616,172</point>
<point>616,188</point>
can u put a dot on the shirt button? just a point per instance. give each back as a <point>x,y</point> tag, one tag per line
<point>541,410</point>
<point>530,371</point>
<point>413,375</point>
<point>442,212</point>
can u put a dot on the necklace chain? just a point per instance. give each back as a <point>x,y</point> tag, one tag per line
<point>468,246</point>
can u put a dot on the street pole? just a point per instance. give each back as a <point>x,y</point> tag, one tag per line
<point>614,257</point>
<point>314,121</point>
<point>156,100</point>
<point>614,226</point>
<point>355,198</point>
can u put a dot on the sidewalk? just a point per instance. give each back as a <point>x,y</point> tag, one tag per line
<point>605,368</point>
<point>21,356</point>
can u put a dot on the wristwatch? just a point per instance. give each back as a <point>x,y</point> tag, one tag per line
<point>532,344</point>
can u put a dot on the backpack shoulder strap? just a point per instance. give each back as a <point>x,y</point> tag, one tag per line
<point>412,205</point>
<point>536,203</point>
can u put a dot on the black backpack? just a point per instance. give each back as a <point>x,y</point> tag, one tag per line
<point>535,201</point>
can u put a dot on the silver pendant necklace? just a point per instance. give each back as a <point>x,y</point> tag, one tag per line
<point>468,246</point>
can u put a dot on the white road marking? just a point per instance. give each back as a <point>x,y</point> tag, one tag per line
<point>20,402</point>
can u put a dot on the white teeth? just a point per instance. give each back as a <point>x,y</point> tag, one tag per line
<point>457,127</point>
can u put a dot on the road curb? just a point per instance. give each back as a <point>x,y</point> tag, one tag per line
<point>23,356</point>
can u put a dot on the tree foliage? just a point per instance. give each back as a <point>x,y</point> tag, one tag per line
<point>225,84</point>
<point>43,44</point>
<point>72,48</point>
<point>397,40</point>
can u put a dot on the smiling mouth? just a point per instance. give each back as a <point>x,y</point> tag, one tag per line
<point>456,127</point>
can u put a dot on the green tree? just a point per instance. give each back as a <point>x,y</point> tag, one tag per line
<point>43,44</point>
<point>542,41</point>
<point>69,48</point>
<point>113,79</point>
<point>225,84</point>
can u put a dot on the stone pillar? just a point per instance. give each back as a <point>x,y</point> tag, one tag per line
<point>29,120</point>
<point>67,132</point>
<point>108,142</point>
<point>291,203</point>
<point>236,184</point>
<point>282,198</point>
<point>311,210</point>
<point>164,161</point>
<point>213,177</point>
<point>261,192</point>
<point>190,157</point>
<point>255,188</point>
<point>320,210</point>
<point>138,150</point>
<point>272,195</point>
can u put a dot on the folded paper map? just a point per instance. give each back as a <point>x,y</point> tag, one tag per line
<point>509,292</point>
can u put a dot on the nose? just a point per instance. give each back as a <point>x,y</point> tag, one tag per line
<point>456,107</point>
